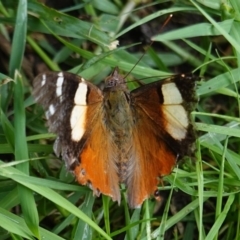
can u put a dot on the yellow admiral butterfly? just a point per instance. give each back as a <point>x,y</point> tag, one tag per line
<point>113,136</point>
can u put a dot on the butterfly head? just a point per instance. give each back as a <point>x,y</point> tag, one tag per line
<point>115,81</point>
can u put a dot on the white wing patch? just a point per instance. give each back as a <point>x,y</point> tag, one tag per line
<point>171,94</point>
<point>81,94</point>
<point>43,80</point>
<point>59,85</point>
<point>51,111</point>
<point>174,113</point>
<point>177,121</point>
<point>78,122</point>
<point>78,115</point>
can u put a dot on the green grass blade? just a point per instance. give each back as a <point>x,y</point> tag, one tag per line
<point>201,29</point>
<point>153,16</point>
<point>220,81</point>
<point>63,25</point>
<point>83,231</point>
<point>216,226</point>
<point>218,129</point>
<point>8,130</point>
<point>200,197</point>
<point>19,38</point>
<point>53,196</point>
<point>14,224</point>
<point>221,30</point>
<point>21,150</point>
<point>4,79</point>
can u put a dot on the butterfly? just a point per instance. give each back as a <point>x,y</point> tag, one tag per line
<point>113,136</point>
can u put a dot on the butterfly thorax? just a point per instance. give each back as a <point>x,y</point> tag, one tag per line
<point>118,120</point>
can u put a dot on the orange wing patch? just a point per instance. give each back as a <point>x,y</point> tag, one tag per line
<point>97,168</point>
<point>153,159</point>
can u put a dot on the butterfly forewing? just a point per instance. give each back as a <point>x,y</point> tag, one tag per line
<point>63,97</point>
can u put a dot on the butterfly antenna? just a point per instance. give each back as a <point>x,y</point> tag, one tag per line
<point>151,43</point>
<point>166,22</point>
